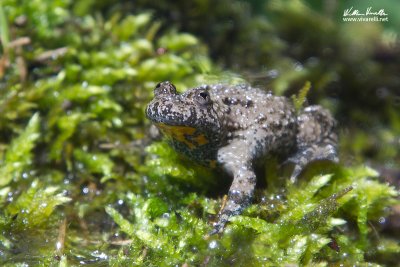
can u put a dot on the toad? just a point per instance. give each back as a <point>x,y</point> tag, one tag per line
<point>231,126</point>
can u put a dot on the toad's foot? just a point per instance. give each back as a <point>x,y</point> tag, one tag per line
<point>310,154</point>
<point>237,201</point>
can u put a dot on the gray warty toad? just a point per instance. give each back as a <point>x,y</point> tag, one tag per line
<point>232,126</point>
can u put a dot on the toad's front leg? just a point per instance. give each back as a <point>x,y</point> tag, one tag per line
<point>236,160</point>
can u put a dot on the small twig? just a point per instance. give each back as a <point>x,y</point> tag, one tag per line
<point>19,42</point>
<point>21,64</point>
<point>121,242</point>
<point>52,54</point>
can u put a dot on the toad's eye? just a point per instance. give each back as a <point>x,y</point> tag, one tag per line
<point>165,88</point>
<point>203,97</point>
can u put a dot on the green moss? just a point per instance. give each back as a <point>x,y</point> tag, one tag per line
<point>306,223</point>
<point>18,157</point>
<point>299,100</point>
<point>34,207</point>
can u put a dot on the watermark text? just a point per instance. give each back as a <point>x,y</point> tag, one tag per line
<point>369,15</point>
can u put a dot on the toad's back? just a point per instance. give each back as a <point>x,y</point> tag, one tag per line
<point>255,116</point>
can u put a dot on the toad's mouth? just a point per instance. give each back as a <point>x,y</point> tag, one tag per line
<point>187,135</point>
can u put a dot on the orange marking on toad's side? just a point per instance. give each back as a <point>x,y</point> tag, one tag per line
<point>183,134</point>
<point>200,139</point>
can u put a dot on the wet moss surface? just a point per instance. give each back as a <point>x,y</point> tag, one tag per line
<point>83,182</point>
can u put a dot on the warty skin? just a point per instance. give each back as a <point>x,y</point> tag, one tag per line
<point>231,126</point>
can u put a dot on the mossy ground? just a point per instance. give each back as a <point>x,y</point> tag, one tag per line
<point>81,182</point>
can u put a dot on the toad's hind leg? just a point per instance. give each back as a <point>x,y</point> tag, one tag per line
<point>316,139</point>
<point>236,160</point>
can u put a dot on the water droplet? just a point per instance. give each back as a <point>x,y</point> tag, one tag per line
<point>382,220</point>
<point>100,255</point>
<point>273,74</point>
<point>58,245</point>
<point>213,244</point>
